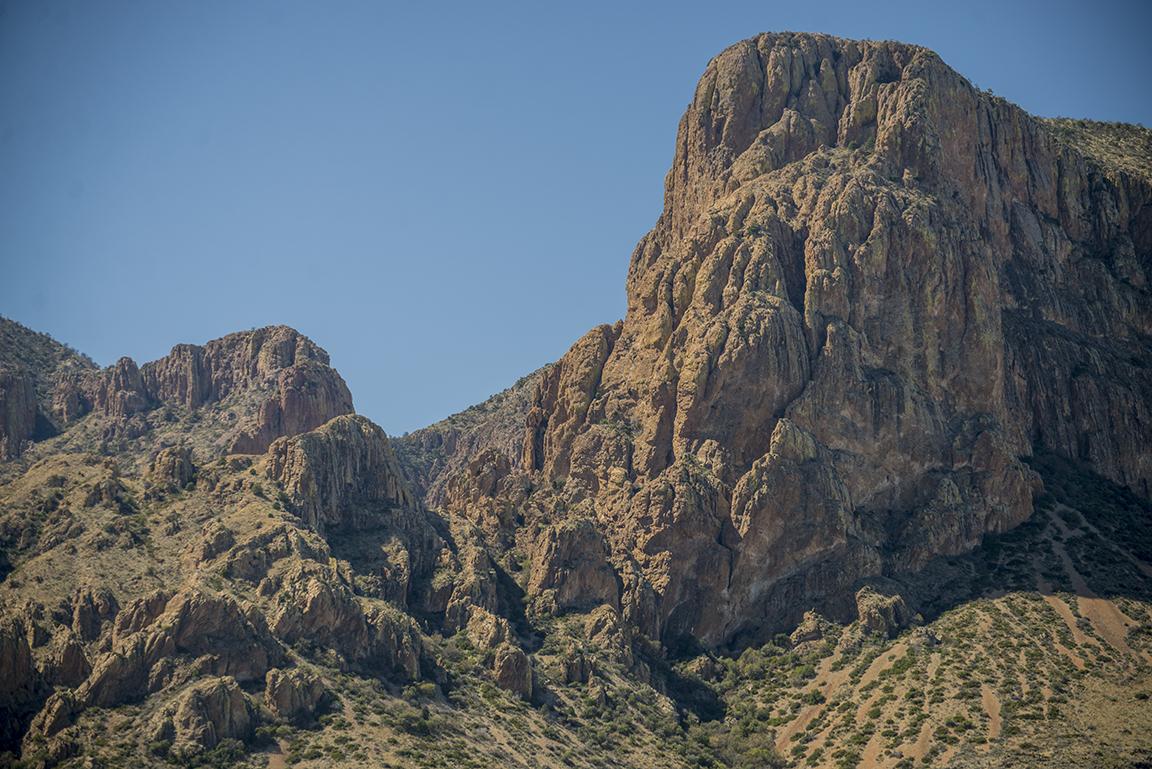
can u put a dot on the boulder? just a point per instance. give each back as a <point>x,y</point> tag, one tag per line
<point>293,695</point>
<point>204,714</point>
<point>512,671</point>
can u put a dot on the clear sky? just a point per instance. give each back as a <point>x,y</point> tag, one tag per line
<point>445,196</point>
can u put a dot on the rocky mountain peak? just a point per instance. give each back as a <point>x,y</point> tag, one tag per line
<point>872,288</point>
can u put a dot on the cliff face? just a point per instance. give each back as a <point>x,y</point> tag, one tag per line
<point>17,412</point>
<point>279,377</point>
<point>871,289</point>
<point>30,363</point>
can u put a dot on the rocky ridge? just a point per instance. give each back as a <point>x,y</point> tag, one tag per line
<point>295,389</point>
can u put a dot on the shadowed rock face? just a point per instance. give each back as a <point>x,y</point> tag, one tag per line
<point>871,289</point>
<point>17,412</point>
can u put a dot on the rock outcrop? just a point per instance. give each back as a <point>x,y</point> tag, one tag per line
<point>173,468</point>
<point>17,412</point>
<point>30,364</point>
<point>872,288</point>
<point>204,714</point>
<point>294,694</point>
<point>285,375</point>
<point>338,468</point>
<point>18,681</point>
<point>570,569</point>
<point>878,613</point>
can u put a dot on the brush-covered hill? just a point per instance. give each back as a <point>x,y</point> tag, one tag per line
<point>862,479</point>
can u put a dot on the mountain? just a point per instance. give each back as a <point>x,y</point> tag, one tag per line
<point>861,479</point>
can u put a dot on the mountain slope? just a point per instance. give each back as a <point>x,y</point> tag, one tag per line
<point>862,479</point>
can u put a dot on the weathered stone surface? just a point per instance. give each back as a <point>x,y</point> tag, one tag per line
<point>431,457</point>
<point>214,631</point>
<point>17,412</point>
<point>18,681</point>
<point>811,630</point>
<point>333,471</point>
<point>173,468</point>
<point>310,395</point>
<point>92,608</point>
<point>882,614</point>
<point>283,370</point>
<point>324,611</point>
<point>204,714</point>
<point>512,671</point>
<point>293,694</point>
<point>571,564</point>
<point>605,628</point>
<point>66,663</point>
<point>487,494</point>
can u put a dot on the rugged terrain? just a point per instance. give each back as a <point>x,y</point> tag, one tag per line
<point>432,456</point>
<point>862,479</point>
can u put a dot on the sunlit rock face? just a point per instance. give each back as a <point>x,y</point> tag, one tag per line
<point>871,290</point>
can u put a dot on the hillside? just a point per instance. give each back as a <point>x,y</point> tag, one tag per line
<point>431,456</point>
<point>862,479</point>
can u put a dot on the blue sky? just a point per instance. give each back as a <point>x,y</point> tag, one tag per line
<point>444,196</point>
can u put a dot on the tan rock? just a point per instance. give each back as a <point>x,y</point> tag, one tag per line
<point>431,457</point>
<point>204,714</point>
<point>881,613</point>
<point>322,610</point>
<point>812,629</point>
<point>328,471</point>
<point>487,630</point>
<point>571,559</point>
<point>607,632</point>
<point>597,690</point>
<point>293,694</point>
<point>287,374</point>
<point>173,468</point>
<point>575,666</point>
<point>93,608</point>
<point>310,395</point>
<point>66,663</point>
<point>17,412</point>
<point>19,680</point>
<point>513,671</point>
<point>841,336</point>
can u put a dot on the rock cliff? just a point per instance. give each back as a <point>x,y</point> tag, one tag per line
<point>30,363</point>
<point>17,412</point>
<point>281,380</point>
<point>872,288</point>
